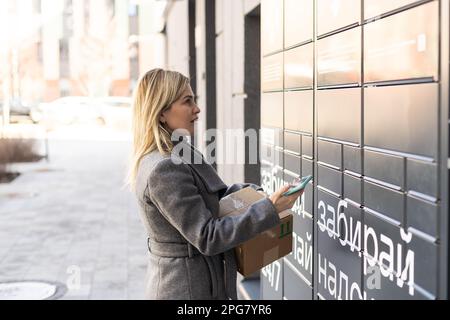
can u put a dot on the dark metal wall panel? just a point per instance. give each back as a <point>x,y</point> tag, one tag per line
<point>307,169</point>
<point>390,287</point>
<point>352,159</point>
<point>383,200</point>
<point>354,216</point>
<point>389,290</point>
<point>307,146</point>
<point>376,8</point>
<point>334,256</point>
<point>292,163</point>
<point>329,179</point>
<point>408,51</point>
<point>423,216</point>
<point>298,21</point>
<point>352,188</point>
<point>272,73</point>
<point>339,114</point>
<point>337,14</point>
<point>422,177</point>
<point>271,152</point>
<point>289,177</point>
<point>272,136</point>
<point>267,153</point>
<point>330,153</point>
<point>272,26</point>
<point>428,253</point>
<point>384,167</point>
<point>308,200</point>
<point>298,110</point>
<point>272,110</point>
<point>402,118</point>
<point>299,67</point>
<point>272,281</point>
<point>279,157</point>
<point>339,59</point>
<point>292,142</point>
<point>301,257</point>
<point>294,286</point>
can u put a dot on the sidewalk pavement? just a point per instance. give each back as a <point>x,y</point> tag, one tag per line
<point>70,217</point>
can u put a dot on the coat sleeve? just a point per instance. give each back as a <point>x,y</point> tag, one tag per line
<point>238,186</point>
<point>171,188</point>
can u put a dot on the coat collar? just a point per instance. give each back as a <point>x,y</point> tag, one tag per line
<point>191,156</point>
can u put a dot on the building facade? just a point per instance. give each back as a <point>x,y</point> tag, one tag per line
<point>76,47</point>
<point>354,92</point>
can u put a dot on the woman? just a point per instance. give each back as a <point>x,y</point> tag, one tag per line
<point>191,250</point>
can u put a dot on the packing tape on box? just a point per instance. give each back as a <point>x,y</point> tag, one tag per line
<point>271,255</point>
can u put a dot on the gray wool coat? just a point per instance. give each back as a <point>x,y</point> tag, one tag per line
<point>191,253</point>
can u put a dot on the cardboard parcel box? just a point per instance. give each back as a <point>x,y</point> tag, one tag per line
<point>266,247</point>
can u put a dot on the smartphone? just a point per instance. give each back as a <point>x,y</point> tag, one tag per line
<point>301,185</point>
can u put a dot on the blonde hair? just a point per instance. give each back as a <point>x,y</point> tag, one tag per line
<point>156,91</point>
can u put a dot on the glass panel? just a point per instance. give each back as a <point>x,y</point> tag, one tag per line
<point>339,59</point>
<point>299,67</point>
<point>298,23</point>
<point>403,46</point>
<point>272,25</point>
<point>336,14</point>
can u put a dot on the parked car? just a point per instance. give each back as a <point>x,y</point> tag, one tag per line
<point>69,110</point>
<point>19,110</point>
<point>116,111</point>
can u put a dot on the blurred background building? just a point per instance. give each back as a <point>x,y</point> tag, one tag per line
<point>51,49</point>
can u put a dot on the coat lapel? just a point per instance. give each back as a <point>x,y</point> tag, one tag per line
<point>201,167</point>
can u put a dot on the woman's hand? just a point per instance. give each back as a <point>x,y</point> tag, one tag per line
<point>281,202</point>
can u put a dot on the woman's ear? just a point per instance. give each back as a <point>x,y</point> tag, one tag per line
<point>162,118</point>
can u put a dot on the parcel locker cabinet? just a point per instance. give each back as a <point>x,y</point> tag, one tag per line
<point>373,130</point>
